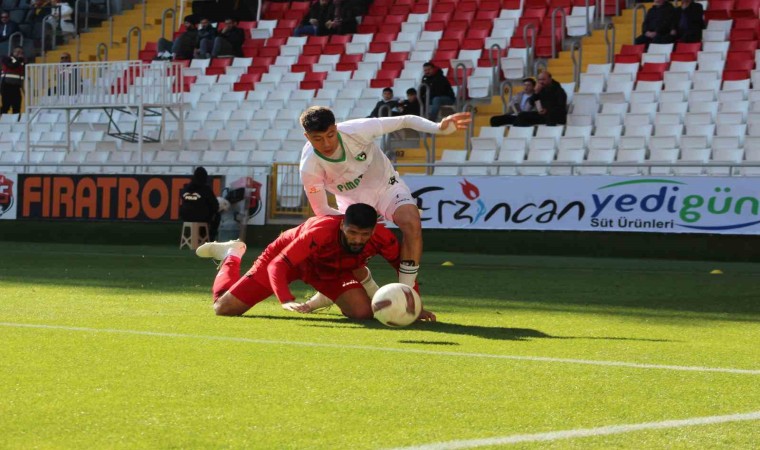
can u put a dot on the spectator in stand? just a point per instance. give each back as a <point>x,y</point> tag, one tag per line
<point>315,23</point>
<point>689,22</point>
<point>38,10</point>
<point>206,36</point>
<point>64,12</point>
<point>440,90</point>
<point>520,103</point>
<point>184,46</point>
<point>12,81</point>
<point>549,102</point>
<point>388,100</point>
<point>229,41</point>
<point>7,26</point>
<point>345,18</point>
<point>659,24</point>
<point>410,106</point>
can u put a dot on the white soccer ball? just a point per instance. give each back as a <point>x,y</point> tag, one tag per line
<point>396,305</point>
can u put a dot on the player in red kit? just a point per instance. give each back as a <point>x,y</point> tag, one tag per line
<point>327,252</point>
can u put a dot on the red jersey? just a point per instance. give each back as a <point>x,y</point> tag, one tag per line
<point>314,249</point>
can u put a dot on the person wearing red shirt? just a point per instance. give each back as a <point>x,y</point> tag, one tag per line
<point>329,253</point>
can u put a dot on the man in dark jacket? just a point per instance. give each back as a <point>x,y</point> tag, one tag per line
<point>206,36</point>
<point>410,106</point>
<point>7,26</point>
<point>184,46</point>
<point>199,204</point>
<point>345,18</point>
<point>229,41</point>
<point>549,105</point>
<point>689,21</point>
<point>659,24</point>
<point>12,81</point>
<point>315,23</point>
<point>440,89</point>
<point>388,100</point>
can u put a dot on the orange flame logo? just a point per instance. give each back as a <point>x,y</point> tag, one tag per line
<point>470,190</point>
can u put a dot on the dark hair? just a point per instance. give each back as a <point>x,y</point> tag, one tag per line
<point>200,176</point>
<point>428,64</point>
<point>411,91</point>
<point>529,80</point>
<point>317,118</point>
<point>361,215</point>
<point>387,90</point>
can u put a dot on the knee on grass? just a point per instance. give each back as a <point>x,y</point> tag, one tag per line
<point>225,306</point>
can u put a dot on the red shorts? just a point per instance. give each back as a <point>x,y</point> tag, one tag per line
<point>254,286</point>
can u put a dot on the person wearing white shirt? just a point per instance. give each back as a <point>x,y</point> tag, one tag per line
<point>343,159</point>
<point>519,104</point>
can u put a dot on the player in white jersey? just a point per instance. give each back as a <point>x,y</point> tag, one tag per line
<point>344,159</point>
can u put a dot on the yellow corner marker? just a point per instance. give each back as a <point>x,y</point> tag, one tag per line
<point>716,272</point>
<point>447,264</point>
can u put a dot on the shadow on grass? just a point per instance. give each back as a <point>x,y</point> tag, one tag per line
<point>497,333</point>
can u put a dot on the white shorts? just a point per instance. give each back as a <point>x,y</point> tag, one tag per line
<point>385,202</point>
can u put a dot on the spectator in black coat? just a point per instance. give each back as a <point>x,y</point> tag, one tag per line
<point>199,204</point>
<point>184,46</point>
<point>388,100</point>
<point>689,21</point>
<point>206,36</point>
<point>659,24</point>
<point>440,93</point>
<point>315,23</point>
<point>7,26</point>
<point>12,81</point>
<point>229,41</point>
<point>344,21</point>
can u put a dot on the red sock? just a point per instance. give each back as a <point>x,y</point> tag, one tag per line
<point>229,273</point>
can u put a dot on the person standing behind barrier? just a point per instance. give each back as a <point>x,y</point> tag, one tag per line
<point>440,89</point>
<point>12,81</point>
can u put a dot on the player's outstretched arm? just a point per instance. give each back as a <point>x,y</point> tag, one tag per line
<point>449,125</point>
<point>459,121</point>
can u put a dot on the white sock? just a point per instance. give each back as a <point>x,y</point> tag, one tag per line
<point>369,284</point>
<point>407,274</point>
<point>319,300</point>
<point>234,252</point>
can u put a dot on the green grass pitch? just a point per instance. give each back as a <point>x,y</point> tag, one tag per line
<point>125,352</point>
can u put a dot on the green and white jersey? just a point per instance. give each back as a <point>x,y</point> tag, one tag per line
<point>359,167</point>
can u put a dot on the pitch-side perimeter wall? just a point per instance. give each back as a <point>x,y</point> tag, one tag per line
<point>643,204</point>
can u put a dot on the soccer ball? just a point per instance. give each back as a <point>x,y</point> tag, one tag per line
<point>396,305</point>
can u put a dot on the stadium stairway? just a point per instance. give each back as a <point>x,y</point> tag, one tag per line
<point>121,25</point>
<point>594,52</point>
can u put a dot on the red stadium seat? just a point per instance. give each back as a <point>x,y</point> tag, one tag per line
<point>435,26</point>
<point>334,49</point>
<point>743,46</point>
<point>683,57</point>
<point>691,47</point>
<point>346,66</point>
<point>301,68</point>
<point>736,75</point>
<point>650,76</point>
<point>654,67</point>
<point>381,83</point>
<point>340,39</point>
<point>629,49</point>
<point>307,59</point>
<point>353,58</point>
<point>397,56</point>
<point>379,47</point>
<point>627,59</point>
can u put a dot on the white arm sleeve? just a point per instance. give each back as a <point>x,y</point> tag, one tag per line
<point>315,192</point>
<point>417,123</point>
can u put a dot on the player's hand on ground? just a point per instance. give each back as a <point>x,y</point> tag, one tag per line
<point>460,120</point>
<point>296,307</point>
<point>426,316</point>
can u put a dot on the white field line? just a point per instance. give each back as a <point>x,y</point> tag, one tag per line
<point>585,432</point>
<point>590,362</point>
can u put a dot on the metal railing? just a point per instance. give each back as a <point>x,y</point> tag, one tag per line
<point>470,131</point>
<point>424,109</point>
<point>636,9</point>
<point>609,29</point>
<point>563,23</point>
<point>495,67</point>
<point>461,84</point>
<point>385,140</point>
<point>588,18</point>
<point>531,47</point>
<point>135,30</point>
<point>45,24</point>
<point>576,55</point>
<point>10,41</point>
<point>101,52</point>
<point>173,13</point>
